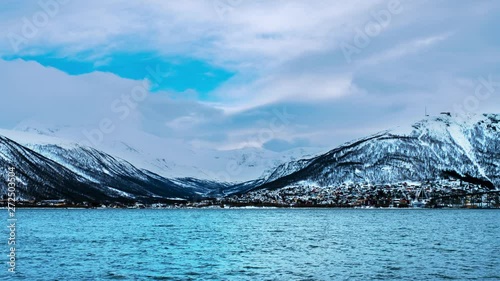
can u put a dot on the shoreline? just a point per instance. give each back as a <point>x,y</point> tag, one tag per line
<point>247,208</point>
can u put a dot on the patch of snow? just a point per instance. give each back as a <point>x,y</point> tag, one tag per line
<point>121,193</point>
<point>460,139</point>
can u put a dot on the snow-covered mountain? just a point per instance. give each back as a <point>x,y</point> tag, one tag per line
<point>55,169</point>
<point>130,171</point>
<point>50,167</point>
<point>166,157</point>
<point>465,147</point>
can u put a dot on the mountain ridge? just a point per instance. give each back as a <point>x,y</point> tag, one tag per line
<point>81,173</point>
<point>462,147</point>
<point>465,148</point>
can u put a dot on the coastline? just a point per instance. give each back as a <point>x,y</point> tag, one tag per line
<point>249,208</point>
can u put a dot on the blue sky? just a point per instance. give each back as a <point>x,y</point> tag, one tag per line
<point>226,66</point>
<point>184,73</point>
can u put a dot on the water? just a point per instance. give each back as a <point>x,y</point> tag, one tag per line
<point>266,244</point>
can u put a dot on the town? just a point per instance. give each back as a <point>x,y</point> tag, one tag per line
<point>432,194</point>
<point>437,194</point>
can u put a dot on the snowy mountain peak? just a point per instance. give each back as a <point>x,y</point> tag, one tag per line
<point>465,147</point>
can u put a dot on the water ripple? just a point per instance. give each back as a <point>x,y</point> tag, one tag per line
<point>271,244</point>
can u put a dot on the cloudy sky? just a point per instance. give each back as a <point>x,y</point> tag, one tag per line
<point>227,74</point>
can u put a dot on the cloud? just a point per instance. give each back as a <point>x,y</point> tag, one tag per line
<point>249,34</point>
<point>279,54</point>
<point>298,87</point>
<point>404,49</point>
<point>48,94</point>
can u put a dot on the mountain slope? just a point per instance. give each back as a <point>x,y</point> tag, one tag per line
<point>467,148</point>
<point>169,158</point>
<point>41,178</point>
<point>443,147</point>
<point>78,173</point>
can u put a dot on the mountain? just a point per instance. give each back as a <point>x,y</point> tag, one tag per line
<point>167,157</point>
<point>48,167</point>
<point>125,170</point>
<point>466,148</point>
<point>59,170</point>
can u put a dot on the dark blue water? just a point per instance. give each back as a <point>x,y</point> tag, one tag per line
<point>272,244</point>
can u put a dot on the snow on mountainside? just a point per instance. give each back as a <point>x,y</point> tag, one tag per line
<point>42,178</point>
<point>51,167</point>
<point>460,147</point>
<point>55,169</point>
<point>169,158</point>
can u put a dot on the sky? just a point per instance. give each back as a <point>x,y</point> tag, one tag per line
<point>229,74</point>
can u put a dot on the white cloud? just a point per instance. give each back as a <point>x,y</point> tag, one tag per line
<point>252,32</point>
<point>304,88</point>
<point>404,49</point>
<point>283,53</point>
<point>52,96</point>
